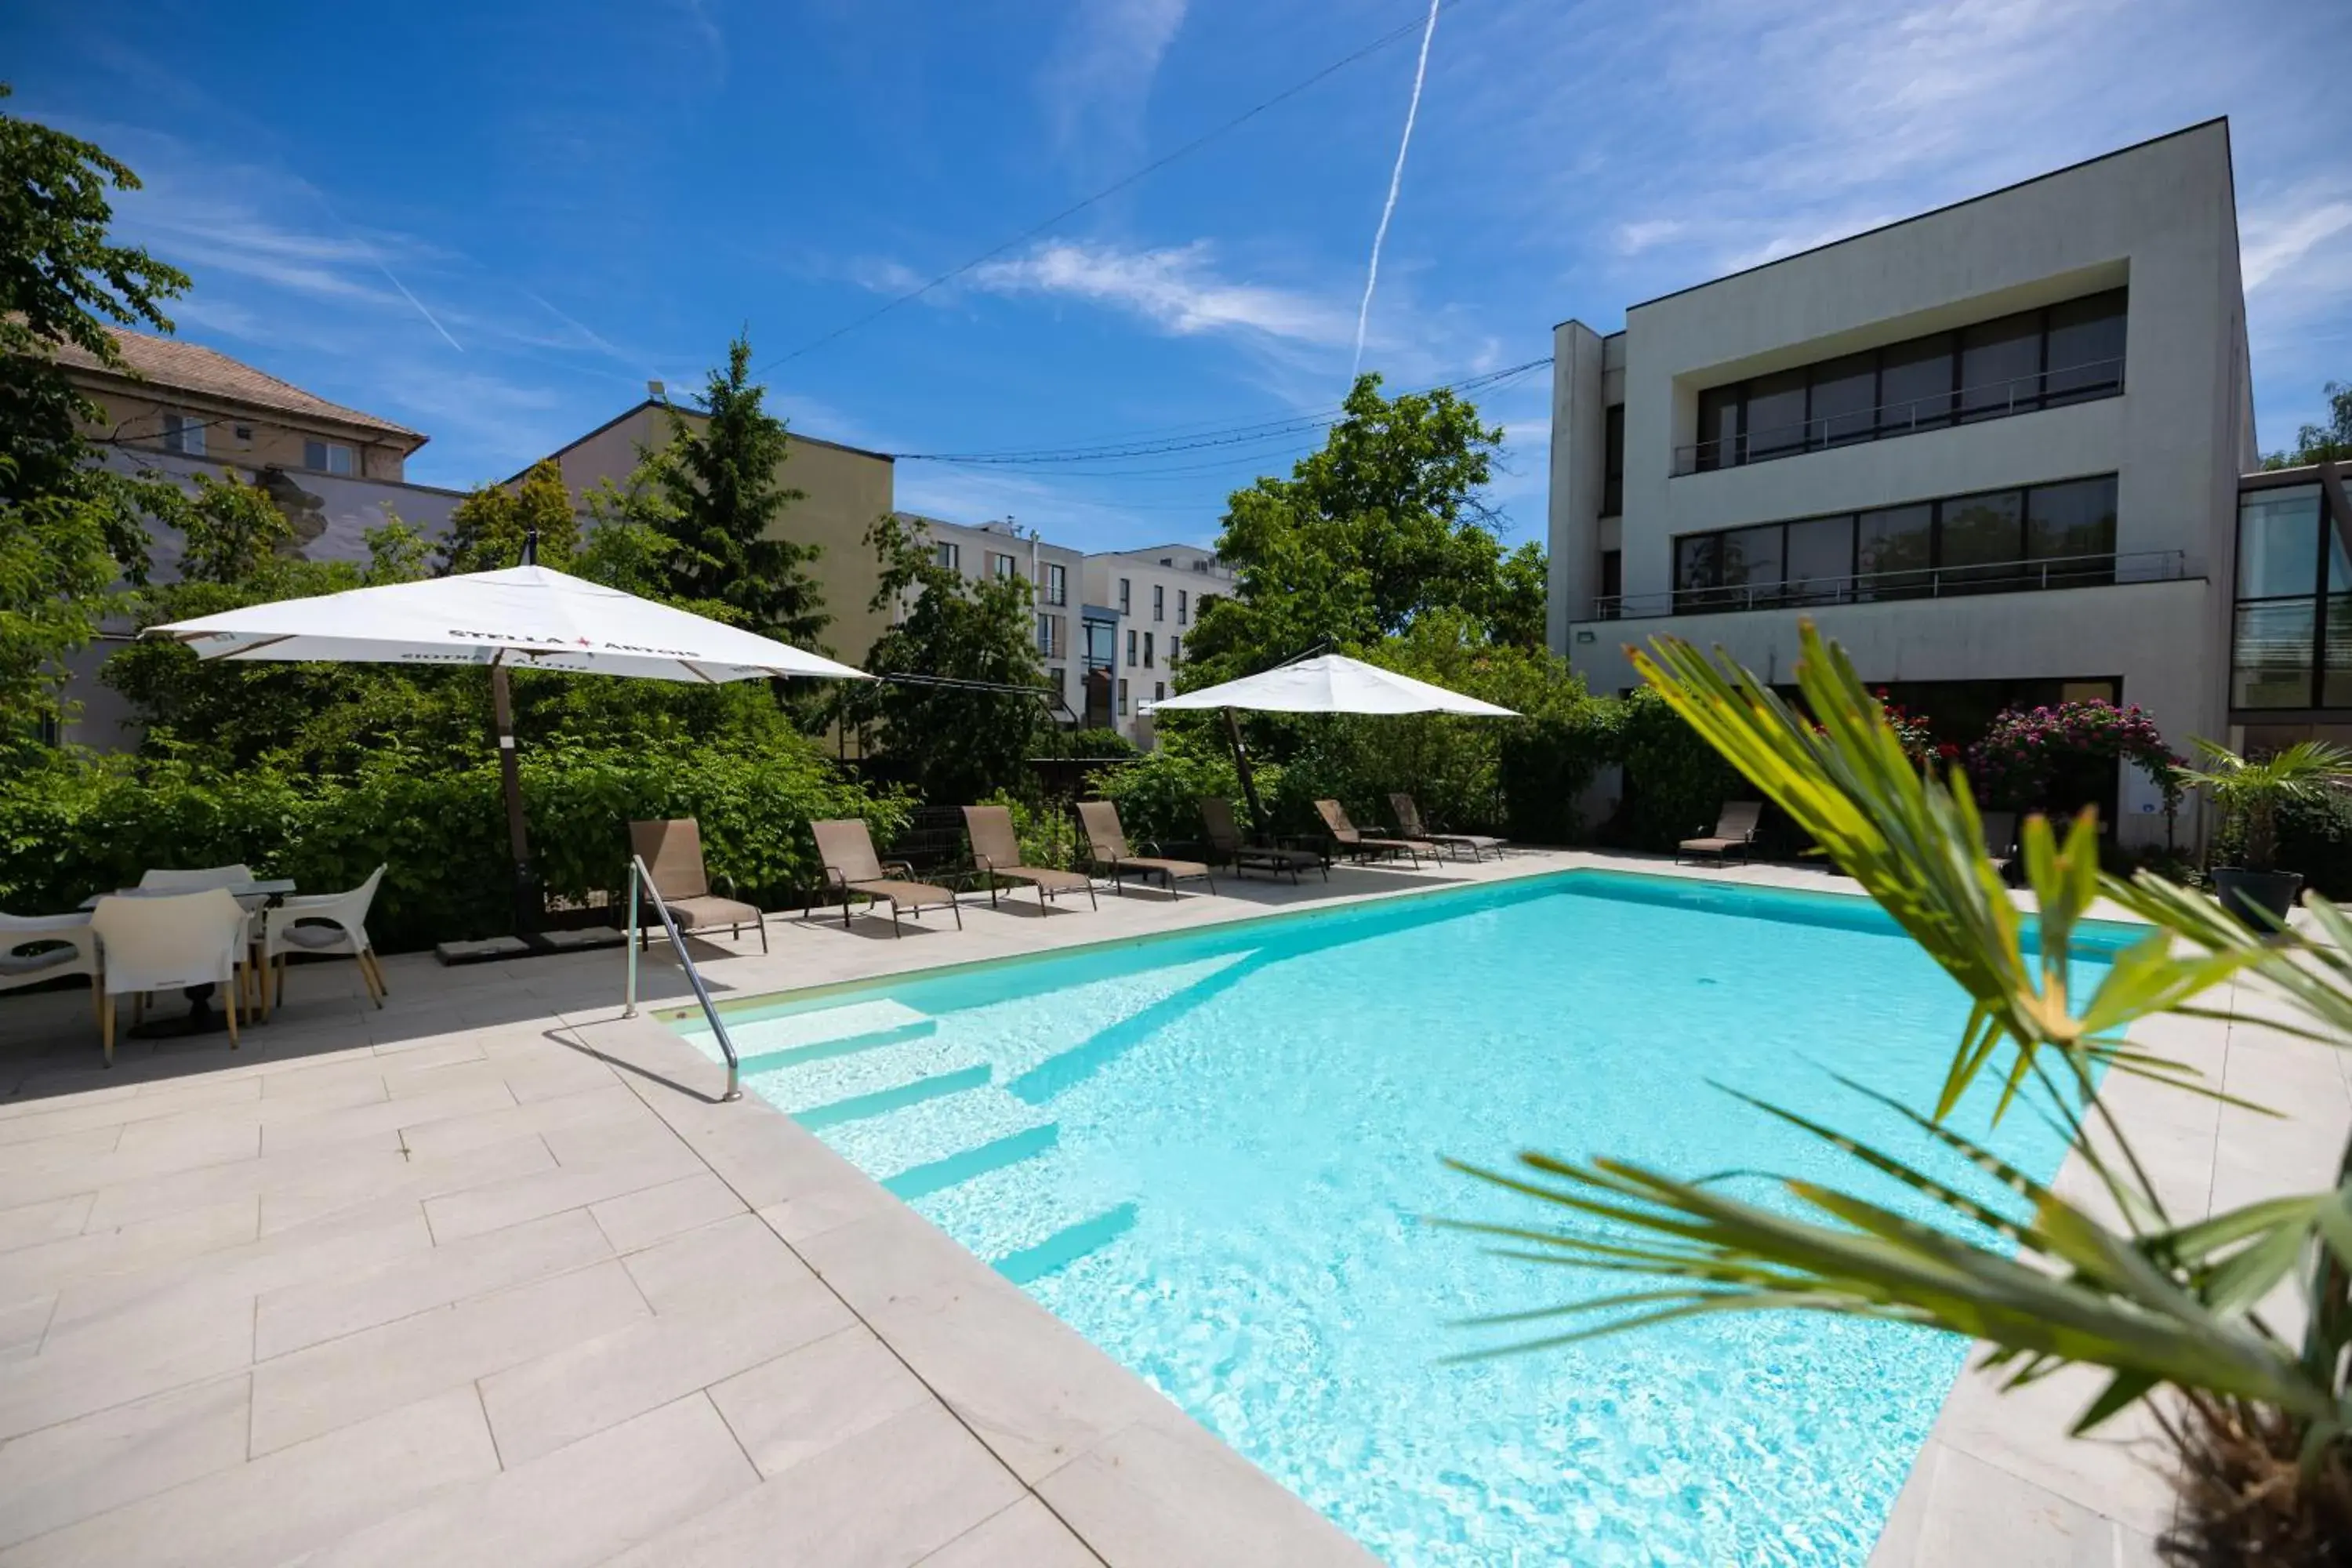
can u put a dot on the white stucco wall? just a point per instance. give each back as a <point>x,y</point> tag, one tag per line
<point>2158,218</point>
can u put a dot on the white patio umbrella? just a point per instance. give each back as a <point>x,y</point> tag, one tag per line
<point>525,616</point>
<point>1327,683</point>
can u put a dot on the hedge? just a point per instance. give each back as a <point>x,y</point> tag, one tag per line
<point>79,826</point>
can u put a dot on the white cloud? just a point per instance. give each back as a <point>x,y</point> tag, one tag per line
<point>1174,289</point>
<point>1097,79</point>
<point>1633,239</point>
<point>2272,240</point>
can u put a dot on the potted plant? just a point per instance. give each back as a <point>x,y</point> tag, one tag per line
<point>2251,792</point>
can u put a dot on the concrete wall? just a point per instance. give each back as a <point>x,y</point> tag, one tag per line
<point>1579,413</point>
<point>134,415</point>
<point>843,490</point>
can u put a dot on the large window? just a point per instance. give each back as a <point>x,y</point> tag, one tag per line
<point>2035,536</point>
<point>1612,460</point>
<point>329,458</point>
<point>1057,583</point>
<point>183,433</point>
<point>2035,359</point>
<point>2292,644</point>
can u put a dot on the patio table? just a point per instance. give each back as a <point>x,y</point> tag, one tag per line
<point>200,1018</point>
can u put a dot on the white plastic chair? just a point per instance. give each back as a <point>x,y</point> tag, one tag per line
<point>34,948</point>
<point>231,876</point>
<point>322,923</point>
<point>167,943</point>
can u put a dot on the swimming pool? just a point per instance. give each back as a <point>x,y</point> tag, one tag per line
<point>1212,1152</point>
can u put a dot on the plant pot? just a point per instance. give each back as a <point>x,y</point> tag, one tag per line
<point>2249,895</point>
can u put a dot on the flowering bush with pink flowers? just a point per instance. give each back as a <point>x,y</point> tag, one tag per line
<point>2012,764</point>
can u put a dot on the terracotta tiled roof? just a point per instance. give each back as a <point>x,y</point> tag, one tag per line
<point>166,363</point>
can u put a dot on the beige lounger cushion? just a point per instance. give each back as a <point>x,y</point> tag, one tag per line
<point>1179,869</point>
<point>710,909</point>
<point>906,895</point>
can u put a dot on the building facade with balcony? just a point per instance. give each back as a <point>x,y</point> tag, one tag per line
<point>1994,450</point>
<point>1148,601</point>
<point>1053,572</point>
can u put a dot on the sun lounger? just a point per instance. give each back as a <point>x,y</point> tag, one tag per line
<point>1734,830</point>
<point>1225,846</point>
<point>851,867</point>
<point>2000,839</point>
<point>672,852</point>
<point>1409,824</point>
<point>996,853</point>
<point>1106,843</point>
<point>1345,834</point>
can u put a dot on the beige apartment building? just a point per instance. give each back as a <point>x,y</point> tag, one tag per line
<point>190,400</point>
<point>843,491</point>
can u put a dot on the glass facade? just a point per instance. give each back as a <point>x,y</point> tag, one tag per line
<point>2036,536</point>
<point>2035,359</point>
<point>2291,642</point>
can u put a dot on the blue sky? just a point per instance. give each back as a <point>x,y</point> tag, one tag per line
<point>495,223</point>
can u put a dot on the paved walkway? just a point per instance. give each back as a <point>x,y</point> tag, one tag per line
<point>487,1276</point>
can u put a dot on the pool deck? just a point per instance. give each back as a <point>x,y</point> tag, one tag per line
<point>487,1276</point>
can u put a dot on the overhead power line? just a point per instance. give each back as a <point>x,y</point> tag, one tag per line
<point>1267,431</point>
<point>1153,167</point>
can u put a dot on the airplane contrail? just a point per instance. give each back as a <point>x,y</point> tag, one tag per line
<point>1396,178</point>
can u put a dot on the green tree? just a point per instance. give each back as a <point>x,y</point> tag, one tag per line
<point>722,478</point>
<point>233,531</point>
<point>2331,442</point>
<point>67,527</point>
<point>956,743</point>
<point>1515,612</point>
<point>487,529</point>
<point>1381,525</point>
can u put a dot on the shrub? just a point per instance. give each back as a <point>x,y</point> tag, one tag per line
<point>1675,782</point>
<point>78,826</point>
<point>2019,758</point>
<point>1158,794</point>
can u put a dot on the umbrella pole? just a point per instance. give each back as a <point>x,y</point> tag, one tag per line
<point>1241,766</point>
<point>527,908</point>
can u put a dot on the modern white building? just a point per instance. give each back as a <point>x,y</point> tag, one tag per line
<point>1994,450</point>
<point>1141,605</point>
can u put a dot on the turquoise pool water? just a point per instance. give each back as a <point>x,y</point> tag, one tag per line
<point>1212,1153</point>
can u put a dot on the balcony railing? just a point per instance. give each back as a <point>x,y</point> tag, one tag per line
<point>1921,583</point>
<point>1963,406</point>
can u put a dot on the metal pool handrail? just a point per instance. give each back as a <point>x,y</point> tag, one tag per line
<point>639,877</point>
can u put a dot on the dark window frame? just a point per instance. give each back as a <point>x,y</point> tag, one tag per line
<point>2324,588</point>
<point>1700,596</point>
<point>1707,454</point>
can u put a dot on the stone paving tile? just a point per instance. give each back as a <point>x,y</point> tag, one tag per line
<point>1025,1535</point>
<point>455,1134</point>
<point>75,1375</point>
<point>590,1163</point>
<point>886,1497</point>
<point>717,1315</point>
<point>53,1266</point>
<point>63,1474</point>
<point>1036,1392</point>
<point>334,1383</point>
<point>387,1119</point>
<point>314,1194</point>
<point>287,1503</point>
<point>1163,1491</point>
<point>801,1404</point>
<point>656,1214</point>
<point>229,1277</point>
<point>23,1324</point>
<point>287,1319</point>
<point>578,1505</point>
